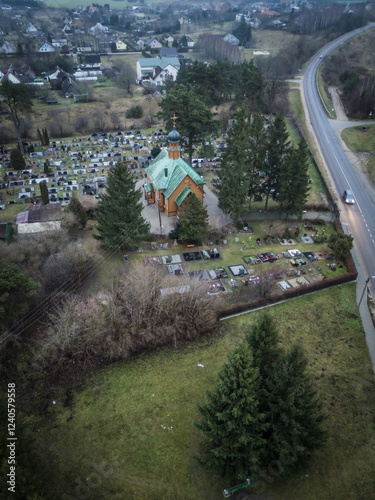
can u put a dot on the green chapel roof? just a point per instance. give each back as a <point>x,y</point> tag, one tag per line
<point>166,174</point>
<point>182,196</point>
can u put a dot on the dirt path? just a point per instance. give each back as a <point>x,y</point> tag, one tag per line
<point>337,104</point>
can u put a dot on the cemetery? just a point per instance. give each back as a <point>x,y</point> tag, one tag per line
<point>274,271</point>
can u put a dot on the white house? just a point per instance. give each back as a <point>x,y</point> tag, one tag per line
<point>98,28</point>
<point>146,67</point>
<point>186,41</point>
<point>168,38</point>
<point>159,75</point>
<point>152,43</point>
<point>46,47</point>
<point>31,29</point>
<point>138,42</point>
<point>59,42</point>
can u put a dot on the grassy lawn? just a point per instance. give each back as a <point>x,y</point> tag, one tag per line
<point>362,140</point>
<point>130,433</point>
<point>11,211</point>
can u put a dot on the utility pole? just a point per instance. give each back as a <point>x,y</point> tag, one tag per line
<point>364,289</point>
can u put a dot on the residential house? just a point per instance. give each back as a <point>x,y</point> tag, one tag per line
<point>14,77</point>
<point>184,20</point>
<point>170,180</point>
<point>186,42</point>
<point>46,47</point>
<point>68,30</point>
<point>152,43</point>
<point>146,67</point>
<point>30,28</point>
<point>233,40</point>
<point>168,52</point>
<point>7,48</point>
<point>92,61</point>
<point>138,43</point>
<point>69,87</point>
<point>98,29</point>
<point>32,31</point>
<point>30,74</point>
<point>59,42</point>
<point>120,45</point>
<point>168,38</point>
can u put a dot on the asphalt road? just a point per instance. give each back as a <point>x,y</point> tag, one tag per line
<point>357,219</point>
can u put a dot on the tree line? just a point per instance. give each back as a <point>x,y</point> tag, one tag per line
<point>262,162</point>
<point>263,413</point>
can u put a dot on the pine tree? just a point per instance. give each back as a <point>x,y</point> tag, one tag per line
<point>44,193</point>
<point>193,222</point>
<point>119,212</point>
<point>75,206</point>
<point>293,413</point>
<point>278,145</point>
<point>233,189</point>
<point>231,420</point>
<point>294,180</point>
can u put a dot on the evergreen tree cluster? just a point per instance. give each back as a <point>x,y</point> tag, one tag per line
<point>263,413</point>
<point>217,82</point>
<point>261,162</point>
<point>43,136</point>
<point>119,212</point>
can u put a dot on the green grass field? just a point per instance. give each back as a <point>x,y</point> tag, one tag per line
<point>130,433</point>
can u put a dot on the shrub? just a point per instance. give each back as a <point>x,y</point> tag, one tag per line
<point>135,112</point>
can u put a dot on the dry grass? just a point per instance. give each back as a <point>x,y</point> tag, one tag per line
<point>138,416</point>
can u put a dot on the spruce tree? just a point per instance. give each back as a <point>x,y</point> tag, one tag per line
<point>17,161</point>
<point>231,420</point>
<point>44,193</point>
<point>75,206</point>
<point>278,144</point>
<point>293,180</point>
<point>257,154</point>
<point>193,222</point>
<point>264,340</point>
<point>119,212</point>
<point>293,413</point>
<point>233,189</point>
